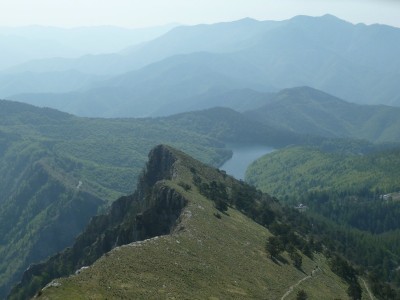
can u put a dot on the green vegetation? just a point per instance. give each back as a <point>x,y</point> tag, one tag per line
<point>202,257</point>
<point>228,125</point>
<point>347,272</point>
<point>352,200</point>
<point>294,171</point>
<point>55,166</point>
<point>274,246</point>
<point>47,157</point>
<point>301,295</point>
<point>58,171</point>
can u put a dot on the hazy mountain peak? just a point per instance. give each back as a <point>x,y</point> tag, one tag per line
<point>8,108</point>
<point>330,17</point>
<point>308,91</point>
<point>247,20</point>
<point>327,18</point>
<point>356,63</point>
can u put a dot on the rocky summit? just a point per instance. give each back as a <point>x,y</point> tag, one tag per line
<point>188,231</point>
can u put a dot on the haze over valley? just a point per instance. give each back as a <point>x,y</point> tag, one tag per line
<point>191,67</point>
<point>228,154</point>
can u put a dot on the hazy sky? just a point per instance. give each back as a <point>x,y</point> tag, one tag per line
<point>144,13</point>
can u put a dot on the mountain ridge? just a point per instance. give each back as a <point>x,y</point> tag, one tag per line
<point>167,192</point>
<point>323,52</point>
<point>51,159</point>
<point>309,111</point>
<point>159,167</point>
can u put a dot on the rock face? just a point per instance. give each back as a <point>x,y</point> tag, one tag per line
<point>152,210</point>
<point>191,232</point>
<point>161,218</point>
<point>160,165</point>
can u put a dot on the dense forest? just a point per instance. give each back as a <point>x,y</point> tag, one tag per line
<point>293,171</point>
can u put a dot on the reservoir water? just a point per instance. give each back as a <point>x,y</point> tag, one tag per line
<point>242,157</point>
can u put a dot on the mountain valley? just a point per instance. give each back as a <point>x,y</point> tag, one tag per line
<point>194,260</point>
<point>115,146</point>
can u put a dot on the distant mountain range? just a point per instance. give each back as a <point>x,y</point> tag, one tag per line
<point>357,63</point>
<point>168,87</point>
<point>197,89</point>
<point>23,44</point>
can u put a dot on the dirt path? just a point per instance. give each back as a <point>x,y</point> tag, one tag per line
<point>290,290</point>
<point>371,296</point>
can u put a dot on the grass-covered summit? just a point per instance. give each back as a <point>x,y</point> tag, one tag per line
<point>168,240</point>
<point>58,170</point>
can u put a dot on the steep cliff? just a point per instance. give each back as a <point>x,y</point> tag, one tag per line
<point>169,240</point>
<point>151,211</point>
<point>85,165</point>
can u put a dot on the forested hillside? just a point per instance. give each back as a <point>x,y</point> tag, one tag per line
<point>354,195</point>
<point>58,164</point>
<point>294,171</point>
<point>55,165</point>
<point>310,111</point>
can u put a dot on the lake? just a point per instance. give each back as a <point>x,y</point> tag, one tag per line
<point>242,157</point>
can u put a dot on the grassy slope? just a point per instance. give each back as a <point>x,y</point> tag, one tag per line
<point>105,155</point>
<point>346,189</point>
<point>204,258</point>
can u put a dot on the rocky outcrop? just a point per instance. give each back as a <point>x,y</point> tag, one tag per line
<point>160,218</point>
<point>152,210</point>
<point>160,164</point>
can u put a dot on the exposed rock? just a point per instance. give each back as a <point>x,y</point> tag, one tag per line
<point>153,210</point>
